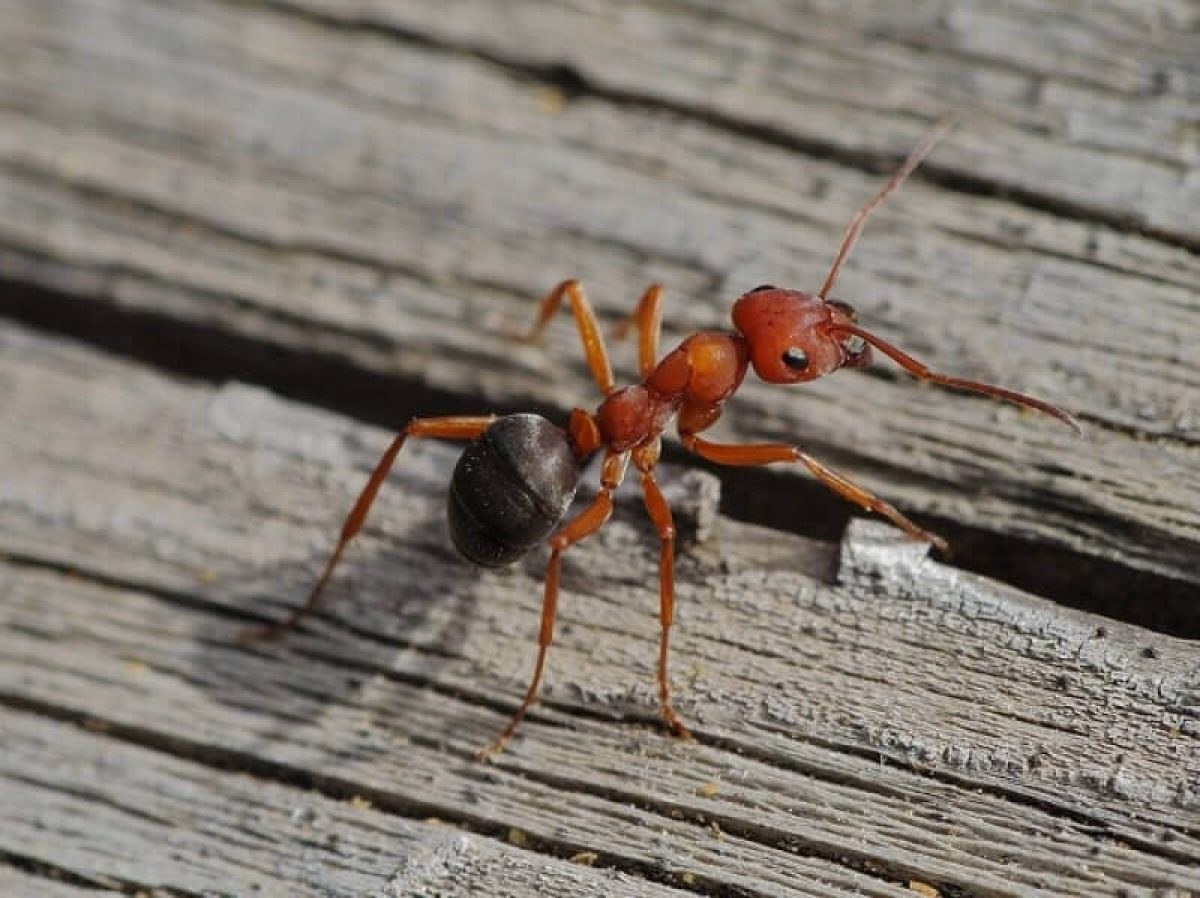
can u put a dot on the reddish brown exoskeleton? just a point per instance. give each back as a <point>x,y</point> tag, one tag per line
<point>515,481</point>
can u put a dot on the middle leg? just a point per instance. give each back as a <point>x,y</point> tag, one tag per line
<point>589,330</point>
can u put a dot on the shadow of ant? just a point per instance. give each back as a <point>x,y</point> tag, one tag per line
<point>397,615</point>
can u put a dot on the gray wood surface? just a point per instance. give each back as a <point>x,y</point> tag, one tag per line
<point>394,185</point>
<point>14,881</point>
<point>207,203</point>
<point>144,811</point>
<point>909,722</point>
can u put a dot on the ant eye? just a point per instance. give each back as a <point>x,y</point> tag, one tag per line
<point>854,345</point>
<point>845,308</point>
<point>796,359</point>
<point>761,287</point>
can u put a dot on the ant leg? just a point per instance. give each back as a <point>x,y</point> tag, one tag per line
<point>584,524</point>
<point>644,459</point>
<point>648,319</point>
<point>766,453</point>
<point>585,320</point>
<point>450,428</point>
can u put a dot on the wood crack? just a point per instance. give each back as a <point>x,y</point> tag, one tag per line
<point>863,862</point>
<point>101,884</point>
<point>213,353</point>
<point>338,788</point>
<point>205,206</point>
<point>574,84</point>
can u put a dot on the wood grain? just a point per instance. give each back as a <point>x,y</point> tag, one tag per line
<point>392,188</point>
<point>145,810</point>
<point>907,722</point>
<point>353,204</point>
<point>18,882</point>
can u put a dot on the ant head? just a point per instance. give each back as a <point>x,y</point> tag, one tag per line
<point>793,336</point>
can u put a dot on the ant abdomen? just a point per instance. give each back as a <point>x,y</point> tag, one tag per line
<point>511,487</point>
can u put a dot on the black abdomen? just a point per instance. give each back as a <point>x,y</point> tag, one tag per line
<point>511,487</point>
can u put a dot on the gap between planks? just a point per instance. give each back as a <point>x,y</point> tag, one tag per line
<point>239,448</point>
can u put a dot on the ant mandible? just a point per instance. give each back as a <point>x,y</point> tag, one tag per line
<point>517,477</point>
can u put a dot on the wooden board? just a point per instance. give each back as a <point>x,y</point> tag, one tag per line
<point>365,200</point>
<point>908,722</point>
<point>206,205</point>
<point>146,811</point>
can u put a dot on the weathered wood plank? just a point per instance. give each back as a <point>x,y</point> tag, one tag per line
<point>359,192</point>
<point>848,74</point>
<point>138,821</point>
<point>912,722</point>
<point>405,748</point>
<point>18,882</point>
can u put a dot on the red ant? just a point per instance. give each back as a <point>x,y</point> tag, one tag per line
<point>516,479</point>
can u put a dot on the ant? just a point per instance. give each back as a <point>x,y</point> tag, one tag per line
<point>517,477</point>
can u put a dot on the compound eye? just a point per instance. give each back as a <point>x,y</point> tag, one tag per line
<point>796,359</point>
<point>761,287</point>
<point>845,308</point>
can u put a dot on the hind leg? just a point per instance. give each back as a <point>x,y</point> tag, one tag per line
<point>449,428</point>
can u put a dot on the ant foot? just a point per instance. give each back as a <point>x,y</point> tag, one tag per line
<point>677,726</point>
